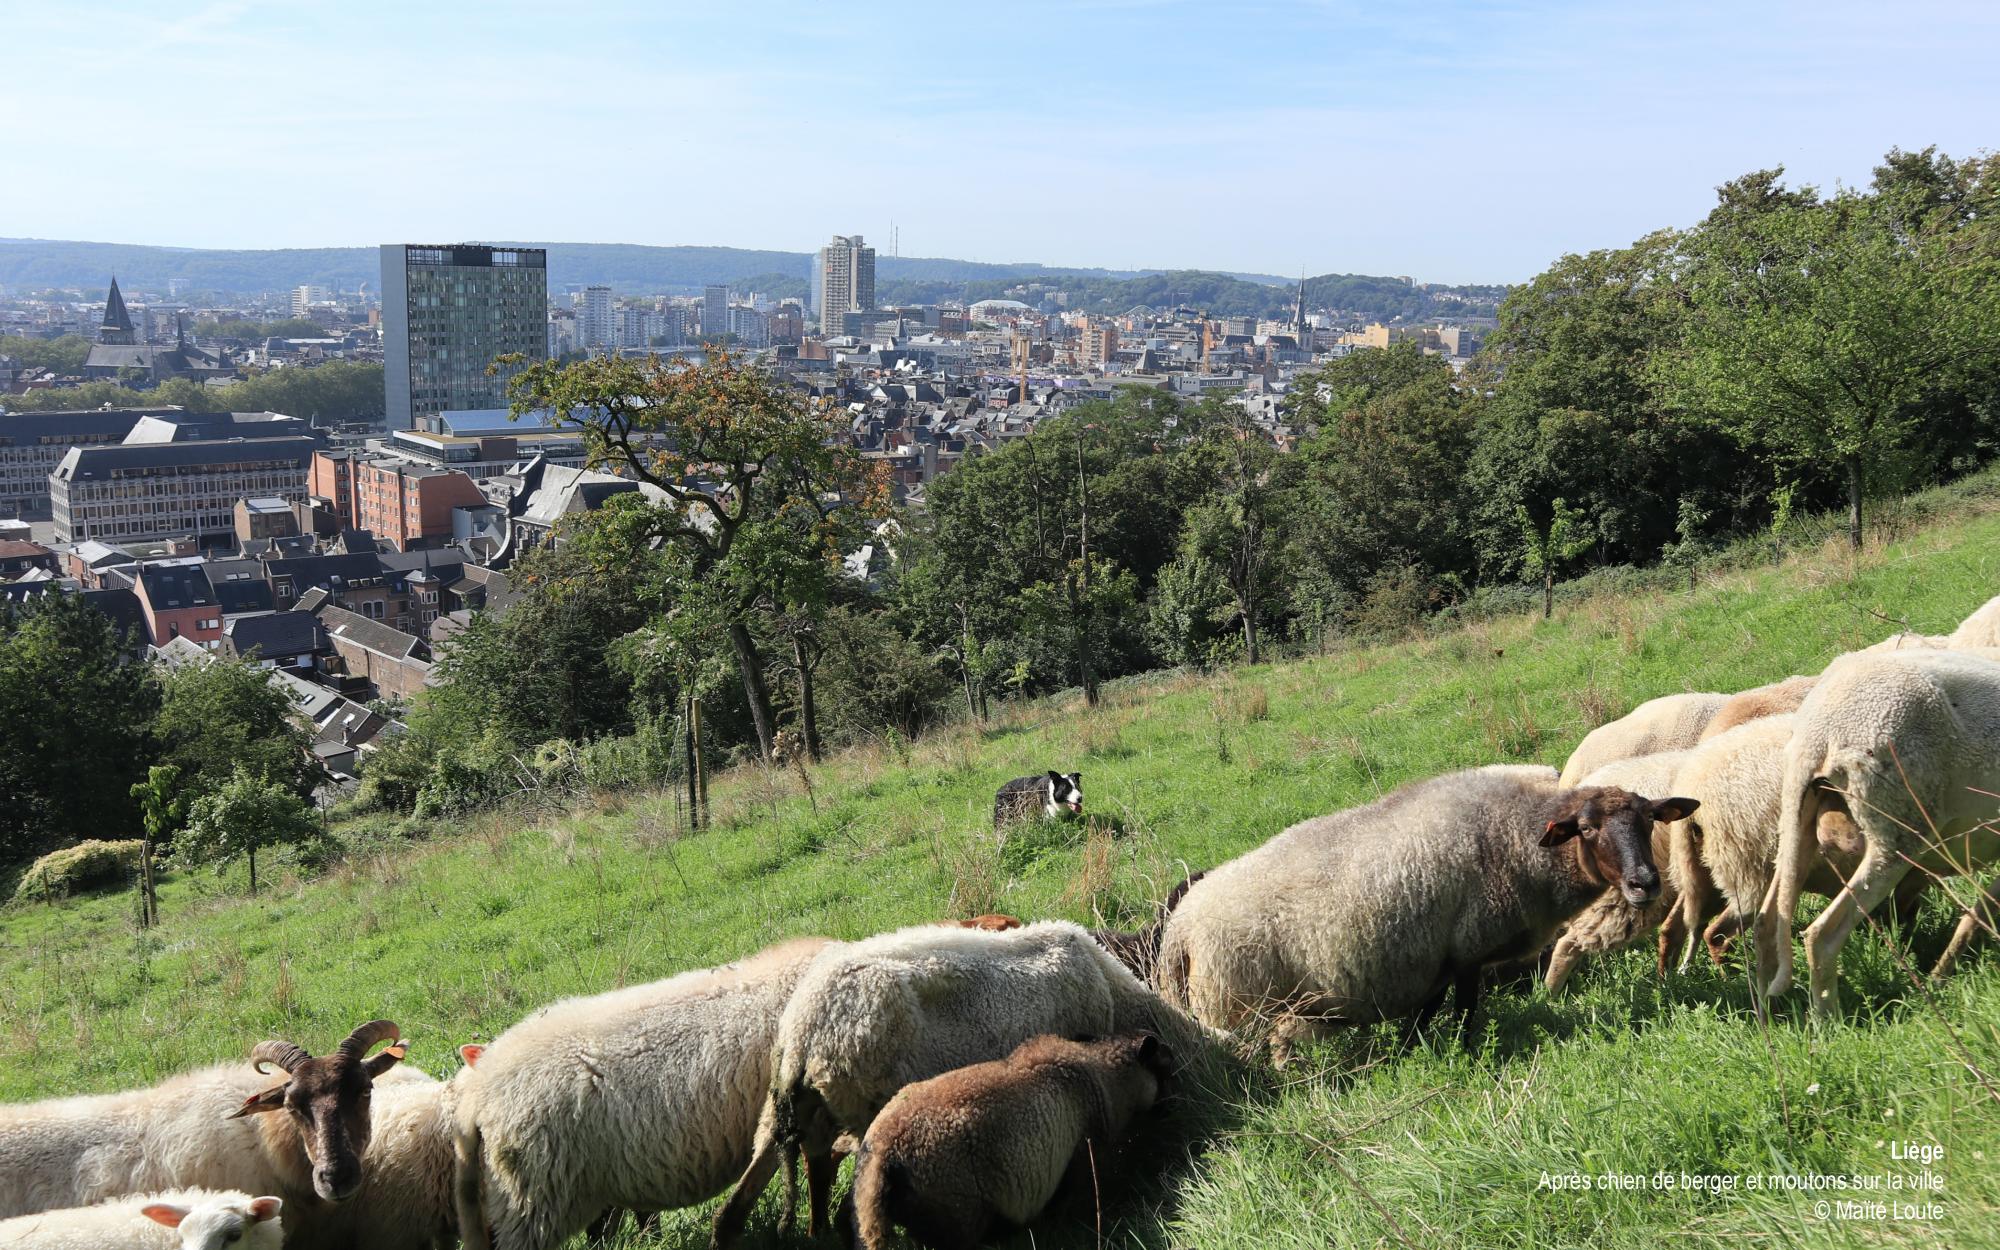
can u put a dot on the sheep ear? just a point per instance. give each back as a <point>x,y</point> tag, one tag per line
<point>1149,1048</point>
<point>266,1208</point>
<point>389,1058</point>
<point>1675,809</point>
<point>470,1052</point>
<point>164,1213</point>
<point>1559,832</point>
<point>269,1100</point>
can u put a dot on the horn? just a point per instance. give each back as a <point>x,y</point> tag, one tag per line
<point>360,1041</point>
<point>286,1055</point>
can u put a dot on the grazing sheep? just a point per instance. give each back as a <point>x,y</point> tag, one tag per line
<point>1669,723</point>
<point>1910,739</point>
<point>870,1017</point>
<point>1611,923</point>
<point>987,1146</point>
<point>1981,629</point>
<point>406,1199</point>
<point>191,1219</point>
<point>1776,699</point>
<point>191,1130</point>
<point>1050,795</point>
<point>644,1098</point>
<point>1139,949</point>
<point>1372,913</point>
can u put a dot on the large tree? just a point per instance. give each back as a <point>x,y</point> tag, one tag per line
<point>742,461</point>
<point>1819,328</point>
<point>225,715</point>
<point>74,716</point>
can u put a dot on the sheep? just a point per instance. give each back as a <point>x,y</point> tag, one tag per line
<point>1910,739</point>
<point>1049,795</point>
<point>1668,723</point>
<point>1139,949</point>
<point>871,1017</point>
<point>644,1098</point>
<point>1981,629</point>
<point>993,922</point>
<point>1372,913</point>
<point>184,1131</point>
<point>1907,642</point>
<point>1776,699</point>
<point>193,1219</point>
<point>1611,923</point>
<point>989,1145</point>
<point>406,1198</point>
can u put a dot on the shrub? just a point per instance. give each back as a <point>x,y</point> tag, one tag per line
<point>86,865</point>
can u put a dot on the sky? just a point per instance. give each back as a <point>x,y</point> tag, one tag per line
<point>1450,141</point>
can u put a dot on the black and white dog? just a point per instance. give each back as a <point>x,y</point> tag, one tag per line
<point>1051,795</point>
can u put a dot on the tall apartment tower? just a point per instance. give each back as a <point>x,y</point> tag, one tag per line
<point>714,312</point>
<point>595,323</point>
<point>447,311</point>
<point>846,281</point>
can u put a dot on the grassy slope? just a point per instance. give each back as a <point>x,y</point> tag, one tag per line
<point>457,938</point>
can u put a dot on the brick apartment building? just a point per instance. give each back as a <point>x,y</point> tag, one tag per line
<point>403,503</point>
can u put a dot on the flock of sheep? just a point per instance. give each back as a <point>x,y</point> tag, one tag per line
<point>973,1069</point>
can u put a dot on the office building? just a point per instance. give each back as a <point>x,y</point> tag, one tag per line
<point>138,491</point>
<point>447,313</point>
<point>846,281</point>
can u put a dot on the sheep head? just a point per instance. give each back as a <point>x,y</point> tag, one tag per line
<point>328,1100</point>
<point>1613,830</point>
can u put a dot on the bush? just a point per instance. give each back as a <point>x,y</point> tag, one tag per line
<point>86,865</point>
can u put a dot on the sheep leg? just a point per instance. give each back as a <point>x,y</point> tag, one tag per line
<point>1416,1024</point>
<point>1873,880</point>
<point>1568,955</point>
<point>1720,932</point>
<point>1465,992</point>
<point>1673,937</point>
<point>1980,918</point>
<point>820,1170</point>
<point>735,1213</point>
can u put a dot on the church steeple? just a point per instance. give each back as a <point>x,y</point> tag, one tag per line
<point>1299,313</point>
<point>117,328</point>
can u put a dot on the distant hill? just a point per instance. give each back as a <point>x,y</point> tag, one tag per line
<point>632,268</point>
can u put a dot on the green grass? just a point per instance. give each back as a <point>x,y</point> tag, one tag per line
<point>1361,1143</point>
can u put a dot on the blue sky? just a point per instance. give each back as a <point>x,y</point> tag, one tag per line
<point>1451,141</point>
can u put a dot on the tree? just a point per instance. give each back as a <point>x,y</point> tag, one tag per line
<point>732,451</point>
<point>240,817</point>
<point>163,809</point>
<point>74,714</point>
<point>1548,547</point>
<point>1817,329</point>
<point>226,715</point>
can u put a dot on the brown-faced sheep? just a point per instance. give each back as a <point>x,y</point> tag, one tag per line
<point>871,1017</point>
<point>983,1148</point>
<point>187,1219</point>
<point>644,1098</point>
<point>1911,740</point>
<point>221,1127</point>
<point>1139,949</point>
<point>1612,923</point>
<point>1669,723</point>
<point>1776,699</point>
<point>1373,913</point>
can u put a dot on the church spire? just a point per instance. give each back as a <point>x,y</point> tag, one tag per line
<point>1299,313</point>
<point>116,328</point>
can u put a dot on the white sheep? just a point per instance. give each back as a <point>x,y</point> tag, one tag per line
<point>187,1219</point>
<point>204,1129</point>
<point>871,1017</point>
<point>644,1098</point>
<point>1374,912</point>
<point>1907,642</point>
<point>1981,629</point>
<point>1911,740</point>
<point>1610,922</point>
<point>1668,723</point>
<point>1776,699</point>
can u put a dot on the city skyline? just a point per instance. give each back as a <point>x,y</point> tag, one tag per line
<point>1467,143</point>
